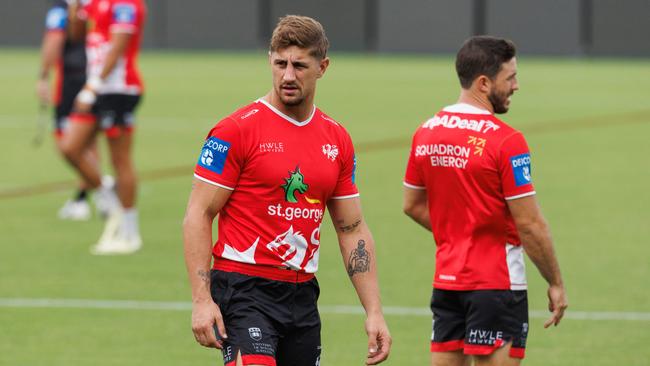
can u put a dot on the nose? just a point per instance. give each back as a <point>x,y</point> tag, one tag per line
<point>515,85</point>
<point>289,73</point>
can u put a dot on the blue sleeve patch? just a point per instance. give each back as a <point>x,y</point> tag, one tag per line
<point>124,13</point>
<point>354,170</point>
<point>214,153</point>
<point>56,18</point>
<point>521,169</point>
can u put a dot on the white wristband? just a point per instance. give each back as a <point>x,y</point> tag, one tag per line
<point>94,82</point>
<point>86,97</point>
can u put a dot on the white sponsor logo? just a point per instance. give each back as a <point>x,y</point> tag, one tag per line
<point>289,213</point>
<point>523,161</point>
<point>329,119</point>
<point>249,113</point>
<point>206,157</point>
<point>463,124</point>
<point>482,336</point>
<point>526,173</point>
<point>331,151</point>
<point>272,147</point>
<point>445,155</point>
<point>292,247</point>
<point>255,333</point>
<point>215,145</point>
<point>447,277</point>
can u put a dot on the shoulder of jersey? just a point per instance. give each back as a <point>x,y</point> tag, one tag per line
<point>328,121</point>
<point>247,114</point>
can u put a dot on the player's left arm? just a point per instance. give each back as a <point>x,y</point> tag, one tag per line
<point>358,252</point>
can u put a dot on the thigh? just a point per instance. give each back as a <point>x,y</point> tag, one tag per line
<point>494,319</point>
<point>253,333</point>
<point>448,328</point>
<point>301,343</point>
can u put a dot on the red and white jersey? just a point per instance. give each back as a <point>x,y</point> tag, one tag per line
<point>106,17</point>
<point>282,173</point>
<point>470,163</point>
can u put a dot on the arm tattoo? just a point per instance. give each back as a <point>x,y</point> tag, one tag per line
<point>346,228</point>
<point>204,276</point>
<point>359,261</point>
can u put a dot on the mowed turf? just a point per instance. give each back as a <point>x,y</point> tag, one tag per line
<point>587,123</point>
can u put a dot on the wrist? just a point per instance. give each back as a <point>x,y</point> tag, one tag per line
<point>94,83</point>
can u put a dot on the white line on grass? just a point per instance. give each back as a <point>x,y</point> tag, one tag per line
<point>324,309</point>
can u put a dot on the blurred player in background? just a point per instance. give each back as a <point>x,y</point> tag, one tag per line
<point>268,171</point>
<point>67,56</point>
<point>468,180</point>
<point>107,102</point>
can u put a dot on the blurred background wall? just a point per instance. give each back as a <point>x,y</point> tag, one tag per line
<point>550,27</point>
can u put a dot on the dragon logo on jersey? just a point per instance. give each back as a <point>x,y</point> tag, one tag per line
<point>291,247</point>
<point>294,183</point>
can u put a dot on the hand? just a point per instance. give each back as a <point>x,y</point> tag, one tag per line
<point>379,340</point>
<point>557,303</point>
<point>43,91</point>
<point>204,316</point>
<point>84,101</point>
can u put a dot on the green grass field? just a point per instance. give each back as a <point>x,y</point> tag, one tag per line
<point>587,122</point>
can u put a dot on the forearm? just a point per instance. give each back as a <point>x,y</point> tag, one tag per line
<point>197,240</point>
<point>117,50</point>
<point>50,52</point>
<point>358,252</point>
<point>537,242</point>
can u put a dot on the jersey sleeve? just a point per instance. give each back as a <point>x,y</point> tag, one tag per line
<point>220,161</point>
<point>515,168</point>
<point>125,17</point>
<point>412,177</point>
<point>346,186</point>
<point>56,19</point>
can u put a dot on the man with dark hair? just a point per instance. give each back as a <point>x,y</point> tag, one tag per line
<point>67,56</point>
<point>468,180</point>
<point>268,170</point>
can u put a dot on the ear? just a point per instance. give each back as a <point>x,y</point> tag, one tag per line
<point>322,66</point>
<point>483,84</point>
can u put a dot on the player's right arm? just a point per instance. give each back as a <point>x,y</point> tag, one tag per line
<point>205,202</point>
<point>416,206</point>
<point>51,50</point>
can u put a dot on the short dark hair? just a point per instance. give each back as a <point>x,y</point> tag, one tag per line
<point>301,31</point>
<point>482,55</point>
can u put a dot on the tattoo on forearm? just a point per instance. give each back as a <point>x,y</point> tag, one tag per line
<point>204,276</point>
<point>346,228</point>
<point>359,261</point>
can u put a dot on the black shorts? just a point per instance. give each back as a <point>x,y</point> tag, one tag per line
<point>70,87</point>
<point>269,322</point>
<point>478,322</point>
<point>115,112</point>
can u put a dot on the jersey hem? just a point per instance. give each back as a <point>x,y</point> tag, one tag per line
<point>448,287</point>
<point>278,273</point>
<point>212,183</point>
<point>520,195</point>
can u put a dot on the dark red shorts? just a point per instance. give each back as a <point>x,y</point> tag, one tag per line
<point>478,322</point>
<point>269,322</point>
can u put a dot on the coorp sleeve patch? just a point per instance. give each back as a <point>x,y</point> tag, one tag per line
<point>214,154</point>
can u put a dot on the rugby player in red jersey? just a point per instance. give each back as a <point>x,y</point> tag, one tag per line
<point>269,170</point>
<point>107,102</point>
<point>468,180</point>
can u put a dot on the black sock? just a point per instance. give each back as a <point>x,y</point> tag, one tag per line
<point>81,195</point>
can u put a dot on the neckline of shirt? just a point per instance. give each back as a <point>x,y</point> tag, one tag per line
<point>465,108</point>
<point>289,119</point>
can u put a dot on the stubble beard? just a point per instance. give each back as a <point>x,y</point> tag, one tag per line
<point>499,101</point>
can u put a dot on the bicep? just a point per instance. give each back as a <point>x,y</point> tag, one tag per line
<point>414,197</point>
<point>346,214</point>
<point>207,199</point>
<point>524,210</point>
<point>120,41</point>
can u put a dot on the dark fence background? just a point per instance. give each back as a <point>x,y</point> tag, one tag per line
<point>550,27</point>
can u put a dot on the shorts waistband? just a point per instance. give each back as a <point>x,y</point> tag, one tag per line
<point>284,274</point>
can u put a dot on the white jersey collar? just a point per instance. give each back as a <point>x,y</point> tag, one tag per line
<point>289,119</point>
<point>465,108</point>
